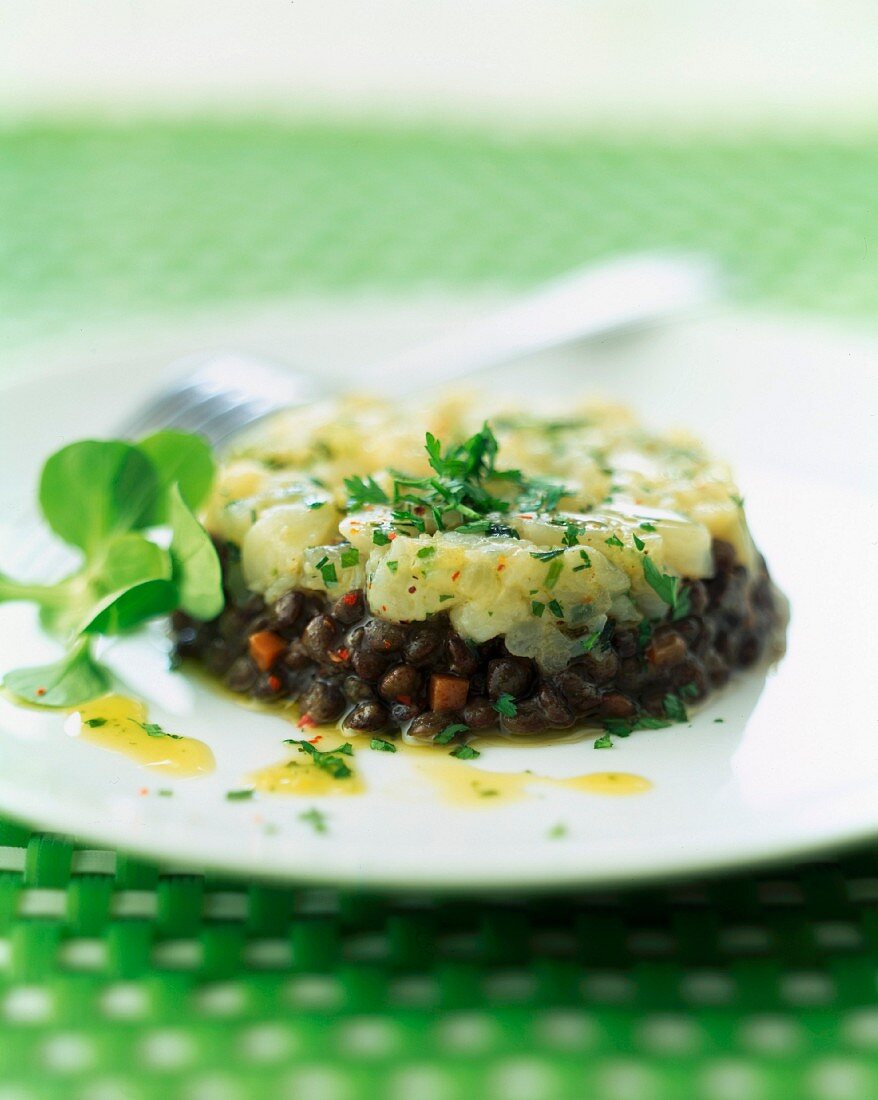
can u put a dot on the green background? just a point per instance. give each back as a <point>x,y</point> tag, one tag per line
<point>119,979</point>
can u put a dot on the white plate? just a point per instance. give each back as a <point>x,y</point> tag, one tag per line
<point>792,767</point>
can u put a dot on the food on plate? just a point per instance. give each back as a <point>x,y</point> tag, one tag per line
<point>426,571</point>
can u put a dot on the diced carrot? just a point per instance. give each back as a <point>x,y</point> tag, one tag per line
<point>447,692</point>
<point>265,648</point>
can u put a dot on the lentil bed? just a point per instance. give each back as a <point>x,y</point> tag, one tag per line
<point>341,663</point>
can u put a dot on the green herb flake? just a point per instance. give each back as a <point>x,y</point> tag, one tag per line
<point>647,526</point>
<point>553,573</point>
<point>587,644</point>
<point>667,588</point>
<point>505,705</point>
<point>380,538</point>
<point>736,500</point>
<point>328,572</point>
<point>95,723</point>
<point>164,793</point>
<point>547,555</point>
<point>316,819</point>
<point>315,504</point>
<point>674,708</point>
<point>393,566</point>
<point>603,742</point>
<point>364,491</point>
<point>449,733</point>
<point>571,535</point>
<point>586,562</point>
<point>537,608</point>
<point>382,746</point>
<point>330,761</point>
<point>426,552</point>
<point>445,597</point>
<point>465,752</point>
<point>614,540</point>
<point>556,608</point>
<point>350,557</point>
<point>240,796</point>
<point>557,831</point>
<point>719,719</point>
<point>638,542</point>
<point>153,729</point>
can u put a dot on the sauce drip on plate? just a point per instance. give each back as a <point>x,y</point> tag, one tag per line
<point>121,725</point>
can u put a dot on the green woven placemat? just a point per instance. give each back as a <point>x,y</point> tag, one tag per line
<point>119,981</point>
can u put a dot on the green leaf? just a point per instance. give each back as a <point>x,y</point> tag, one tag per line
<point>76,678</point>
<point>134,585</point>
<point>92,490</point>
<point>181,458</point>
<point>197,572</point>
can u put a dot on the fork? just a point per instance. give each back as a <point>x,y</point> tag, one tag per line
<point>218,395</point>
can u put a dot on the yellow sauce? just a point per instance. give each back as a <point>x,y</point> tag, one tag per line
<point>461,784</point>
<point>304,779</point>
<point>121,725</point>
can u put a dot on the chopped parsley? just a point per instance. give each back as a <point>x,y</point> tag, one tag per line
<point>638,542</point>
<point>240,796</point>
<point>675,708</point>
<point>586,562</point>
<point>465,752</point>
<point>588,643</point>
<point>315,504</point>
<point>426,552</point>
<point>393,566</point>
<point>350,557</point>
<point>153,729</point>
<point>380,538</point>
<point>667,588</point>
<point>505,705</point>
<point>380,745</point>
<point>603,742</point>
<point>330,761</point>
<point>571,535</point>
<point>614,540</point>
<point>647,526</point>
<point>327,570</point>
<point>553,573</point>
<point>364,491</point>
<point>449,733</point>
<point>547,555</point>
<point>557,831</point>
<point>95,723</point>
<point>556,608</point>
<point>446,596</point>
<point>316,819</point>
<point>735,499</point>
<point>537,608</point>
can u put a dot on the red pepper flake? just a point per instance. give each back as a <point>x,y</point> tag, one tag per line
<point>340,655</point>
<point>501,566</point>
<point>40,691</point>
<point>391,535</point>
<point>406,700</point>
<point>413,589</point>
<point>274,683</point>
<point>143,791</point>
<point>454,576</point>
<point>314,740</point>
<point>350,598</point>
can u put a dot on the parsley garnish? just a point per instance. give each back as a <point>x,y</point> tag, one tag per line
<point>537,608</point>
<point>393,566</point>
<point>735,499</point>
<point>586,562</point>
<point>350,557</point>
<point>547,555</point>
<point>330,761</point>
<point>465,752</point>
<point>667,588</point>
<point>614,540</point>
<point>446,596</point>
<point>553,573</point>
<point>571,535</point>
<point>382,746</point>
<point>505,705</point>
<point>638,542</point>
<point>449,733</point>
<point>95,723</point>
<point>557,831</point>
<point>647,526</point>
<point>604,742</point>
<point>240,796</point>
<point>556,608</point>
<point>380,538</point>
<point>589,642</point>
<point>316,819</point>
<point>364,491</point>
<point>426,552</point>
<point>674,708</point>
<point>153,729</point>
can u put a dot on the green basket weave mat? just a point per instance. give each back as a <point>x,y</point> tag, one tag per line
<point>120,981</point>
